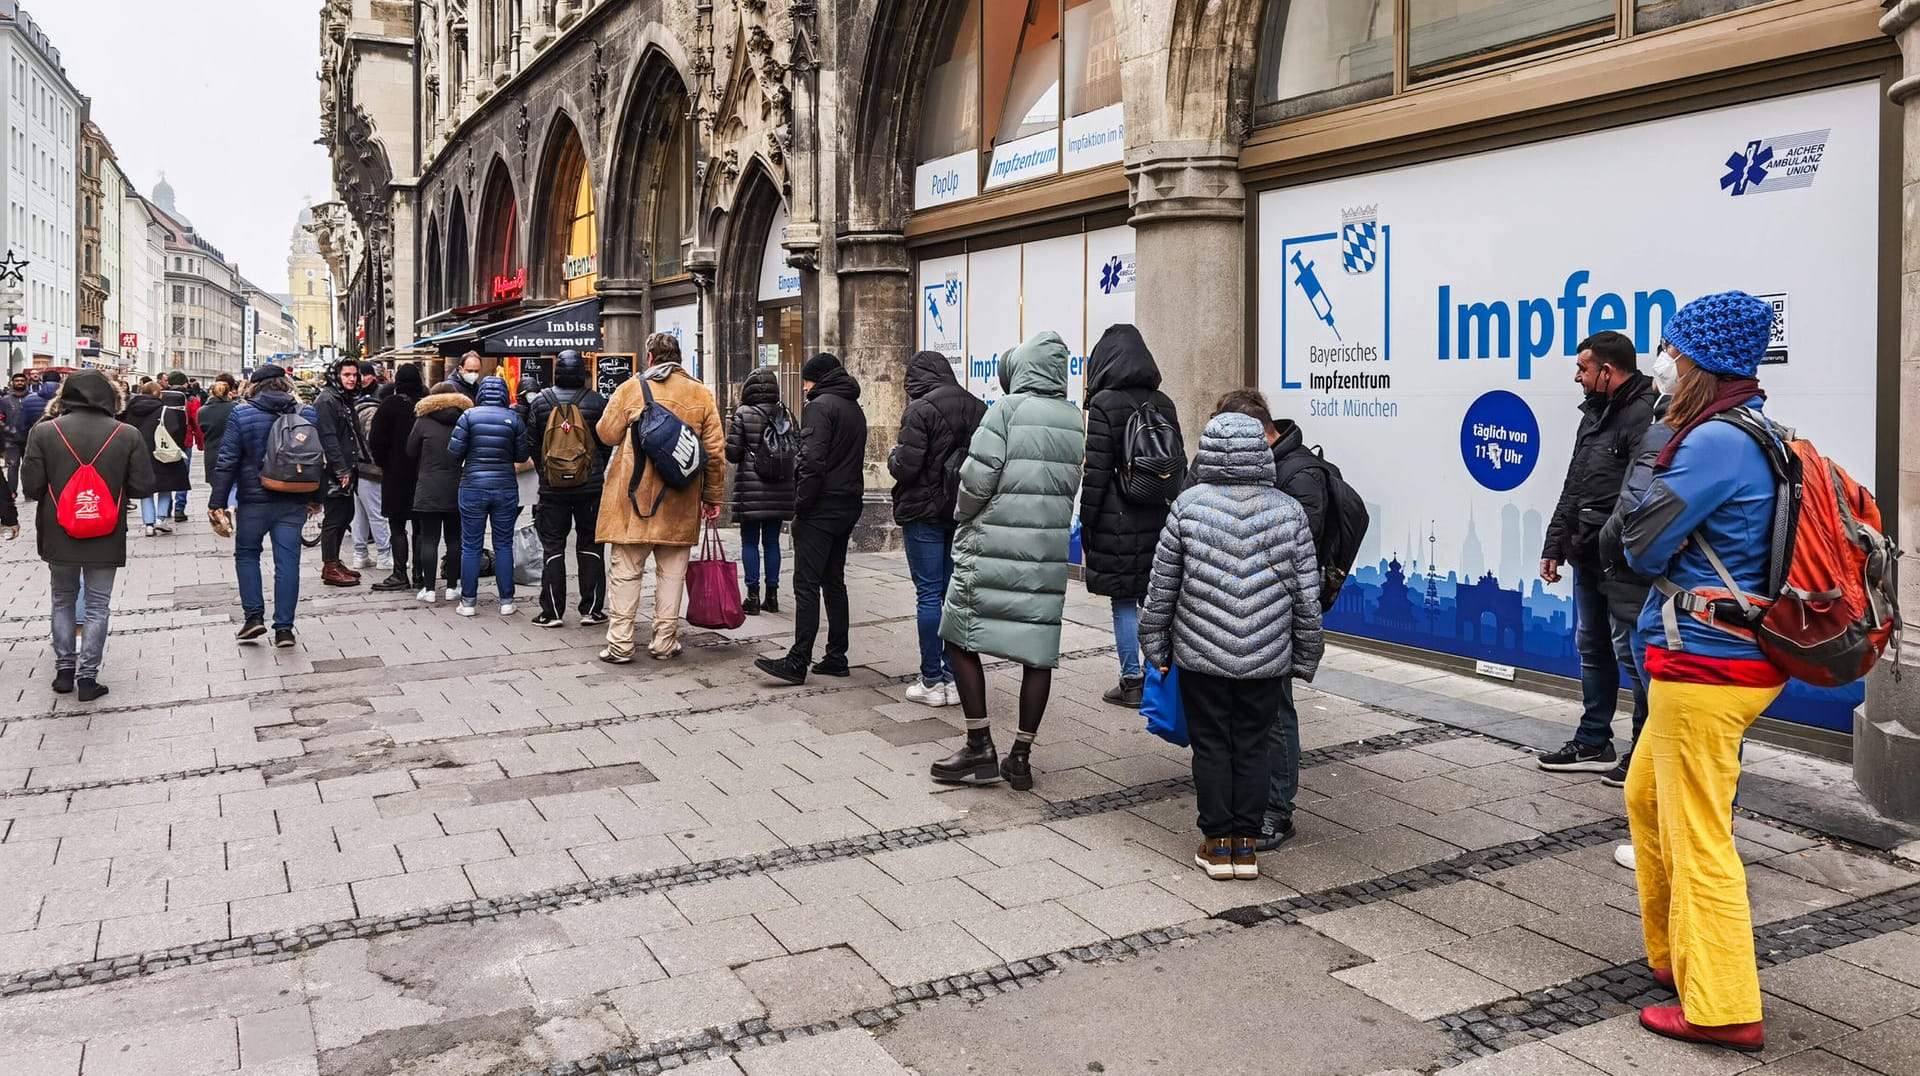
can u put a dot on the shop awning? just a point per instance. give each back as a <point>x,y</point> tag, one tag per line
<point>434,340</point>
<point>573,326</point>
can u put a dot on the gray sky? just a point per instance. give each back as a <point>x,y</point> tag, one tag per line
<point>223,100</point>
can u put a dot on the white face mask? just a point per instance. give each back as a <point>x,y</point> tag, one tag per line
<point>471,377</point>
<point>1666,373</point>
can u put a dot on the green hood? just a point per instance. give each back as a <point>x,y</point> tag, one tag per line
<point>1038,366</point>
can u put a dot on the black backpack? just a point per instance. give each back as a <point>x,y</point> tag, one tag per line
<point>776,458</point>
<point>1153,462</point>
<point>1346,521</point>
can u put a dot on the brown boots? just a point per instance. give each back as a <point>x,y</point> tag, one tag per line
<point>335,574</point>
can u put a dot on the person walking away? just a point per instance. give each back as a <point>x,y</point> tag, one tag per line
<point>269,422</point>
<point>490,440</point>
<point>182,393</point>
<point>1121,516</point>
<point>13,432</point>
<point>163,430</point>
<point>1713,490</point>
<point>827,493</point>
<point>1234,605</point>
<point>83,540</point>
<point>340,436</point>
<point>1618,408</point>
<point>222,397</point>
<point>387,433</point>
<point>372,538</point>
<point>935,430</point>
<point>436,490</point>
<point>1009,589</point>
<point>640,515</point>
<point>571,465</point>
<point>763,480</point>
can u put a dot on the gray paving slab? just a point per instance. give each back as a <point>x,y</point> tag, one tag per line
<point>1841,989</point>
<point>807,988</point>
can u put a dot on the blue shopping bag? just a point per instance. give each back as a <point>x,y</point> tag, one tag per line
<point>1160,705</point>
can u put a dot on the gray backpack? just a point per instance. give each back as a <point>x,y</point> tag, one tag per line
<point>294,461</point>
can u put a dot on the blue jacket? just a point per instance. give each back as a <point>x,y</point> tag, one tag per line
<point>1719,484</point>
<point>491,438</point>
<point>244,447</point>
<point>35,405</point>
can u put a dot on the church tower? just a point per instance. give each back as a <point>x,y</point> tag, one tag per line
<point>309,288</point>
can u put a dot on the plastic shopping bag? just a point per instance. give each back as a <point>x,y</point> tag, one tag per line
<point>713,586</point>
<point>1160,704</point>
<point>528,556</point>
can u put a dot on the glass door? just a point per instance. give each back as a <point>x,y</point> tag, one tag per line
<point>776,344</point>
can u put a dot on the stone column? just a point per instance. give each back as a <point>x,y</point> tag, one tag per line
<point>623,317</point>
<point>1190,257</point>
<point>875,322</point>
<point>1886,731</point>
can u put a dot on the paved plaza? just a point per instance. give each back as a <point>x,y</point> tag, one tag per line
<point>420,844</point>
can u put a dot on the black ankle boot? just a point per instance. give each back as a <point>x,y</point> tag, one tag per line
<point>751,605</point>
<point>772,602</point>
<point>1018,769</point>
<point>975,764</point>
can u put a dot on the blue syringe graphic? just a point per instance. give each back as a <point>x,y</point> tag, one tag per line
<point>1316,295</point>
<point>933,308</point>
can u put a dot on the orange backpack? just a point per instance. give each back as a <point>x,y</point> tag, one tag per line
<point>1834,610</point>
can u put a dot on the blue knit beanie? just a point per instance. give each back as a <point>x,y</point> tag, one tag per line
<point>1724,334</point>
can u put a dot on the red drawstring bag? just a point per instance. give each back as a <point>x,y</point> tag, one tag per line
<point>86,508</point>
<point>713,586</point>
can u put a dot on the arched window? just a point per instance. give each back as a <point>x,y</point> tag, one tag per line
<point>571,236</point>
<point>436,294</point>
<point>458,281</point>
<point>1320,54</point>
<point>672,200</point>
<point>499,272</point>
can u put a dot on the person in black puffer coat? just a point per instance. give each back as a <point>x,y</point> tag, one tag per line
<point>759,505</point>
<point>436,489</point>
<point>387,447</point>
<point>493,440</point>
<point>935,431</point>
<point>1117,535</point>
<point>340,437</point>
<point>146,411</point>
<point>219,405</point>
<point>575,507</point>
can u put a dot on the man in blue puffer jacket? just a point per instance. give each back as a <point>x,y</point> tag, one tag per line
<point>262,512</point>
<point>492,438</point>
<point>35,405</point>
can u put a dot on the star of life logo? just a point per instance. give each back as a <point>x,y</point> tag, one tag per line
<point>1782,163</point>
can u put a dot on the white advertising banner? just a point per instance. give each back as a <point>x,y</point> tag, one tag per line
<point>1421,325</point>
<point>993,316</point>
<point>1026,158</point>
<point>779,281</point>
<point>943,310</point>
<point>947,180</point>
<point>679,322</point>
<point>1095,138</point>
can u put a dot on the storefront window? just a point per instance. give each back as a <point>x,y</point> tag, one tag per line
<point>1660,14</point>
<point>952,106</point>
<point>1093,57</point>
<point>1026,42</point>
<point>501,273</point>
<point>583,243</point>
<point>1319,54</point>
<point>1445,36</point>
<point>670,201</point>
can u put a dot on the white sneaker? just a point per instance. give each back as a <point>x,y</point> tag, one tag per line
<point>507,609</point>
<point>150,531</point>
<point>927,696</point>
<point>360,560</point>
<point>465,609</point>
<point>953,693</point>
<point>453,594</point>
<point>163,528</point>
<point>1623,855</point>
<point>385,563</point>
<point>427,595</point>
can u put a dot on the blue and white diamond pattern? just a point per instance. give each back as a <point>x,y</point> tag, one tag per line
<point>1359,246</point>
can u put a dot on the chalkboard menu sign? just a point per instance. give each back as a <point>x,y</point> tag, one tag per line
<point>610,371</point>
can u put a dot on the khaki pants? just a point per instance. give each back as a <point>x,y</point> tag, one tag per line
<point>1693,889</point>
<point>624,569</point>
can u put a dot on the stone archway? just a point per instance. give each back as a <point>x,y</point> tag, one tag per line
<point>742,239</point>
<point>497,249</point>
<point>431,264</point>
<point>457,279</point>
<point>657,100</point>
<point>551,214</point>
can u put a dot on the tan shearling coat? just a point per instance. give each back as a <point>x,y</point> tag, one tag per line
<point>677,522</point>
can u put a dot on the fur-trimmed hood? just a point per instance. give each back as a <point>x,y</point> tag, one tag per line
<point>441,401</point>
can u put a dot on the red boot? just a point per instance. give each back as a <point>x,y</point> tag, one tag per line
<point>1663,976</point>
<point>1670,1022</point>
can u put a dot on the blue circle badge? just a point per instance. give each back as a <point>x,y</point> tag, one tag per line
<point>1500,440</point>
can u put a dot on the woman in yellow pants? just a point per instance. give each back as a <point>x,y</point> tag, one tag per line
<point>1706,526</point>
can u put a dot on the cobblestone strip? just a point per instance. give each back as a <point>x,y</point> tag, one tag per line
<point>1100,803</point>
<point>1622,989</point>
<point>288,942</point>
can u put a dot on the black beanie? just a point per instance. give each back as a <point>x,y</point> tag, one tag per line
<point>407,378</point>
<point>818,367</point>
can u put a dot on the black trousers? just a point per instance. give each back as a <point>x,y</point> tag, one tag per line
<point>336,519</point>
<point>552,517</point>
<point>397,527</point>
<point>1229,722</point>
<point>820,568</point>
<point>428,530</point>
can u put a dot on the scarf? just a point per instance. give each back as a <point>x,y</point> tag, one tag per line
<point>1734,392</point>
<point>660,371</point>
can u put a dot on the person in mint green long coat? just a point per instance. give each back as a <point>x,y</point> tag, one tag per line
<point>1009,586</point>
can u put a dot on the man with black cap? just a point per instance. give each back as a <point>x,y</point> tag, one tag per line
<point>340,437</point>
<point>827,501</point>
<point>263,514</point>
<point>569,491</point>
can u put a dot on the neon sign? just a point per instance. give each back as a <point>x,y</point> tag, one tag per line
<point>510,287</point>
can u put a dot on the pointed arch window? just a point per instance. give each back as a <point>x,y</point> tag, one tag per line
<point>672,201</point>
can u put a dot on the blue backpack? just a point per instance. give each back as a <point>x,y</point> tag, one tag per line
<point>672,446</point>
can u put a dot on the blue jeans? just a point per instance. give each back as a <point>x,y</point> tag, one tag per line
<point>154,509</point>
<point>253,524</point>
<point>1604,646</point>
<point>1636,660</point>
<point>180,496</point>
<point>761,538</point>
<point>930,562</point>
<point>1126,637</point>
<point>477,506</point>
<point>71,583</point>
<point>1284,757</point>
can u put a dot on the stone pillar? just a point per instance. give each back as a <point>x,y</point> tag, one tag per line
<point>623,320</point>
<point>1190,257</point>
<point>876,311</point>
<point>1886,731</point>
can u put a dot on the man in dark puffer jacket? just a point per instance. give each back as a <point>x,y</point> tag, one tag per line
<point>1117,535</point>
<point>340,437</point>
<point>759,505</point>
<point>492,439</point>
<point>576,507</point>
<point>935,431</point>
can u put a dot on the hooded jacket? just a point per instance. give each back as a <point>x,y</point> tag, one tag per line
<point>1117,535</point>
<point>387,442</point>
<point>1609,434</point>
<point>490,439</point>
<point>146,413</point>
<point>676,522</point>
<point>1307,483</point>
<point>1236,584</point>
<point>833,447</point>
<point>86,421</point>
<point>339,433</point>
<point>436,487</point>
<point>935,431</point>
<point>243,448</point>
<point>212,417</point>
<point>569,387</point>
<point>756,500</point>
<point>1014,512</point>
<point>35,405</point>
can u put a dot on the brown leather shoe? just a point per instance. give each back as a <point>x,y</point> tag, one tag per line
<point>1246,865</point>
<point>335,574</point>
<point>1215,856</point>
